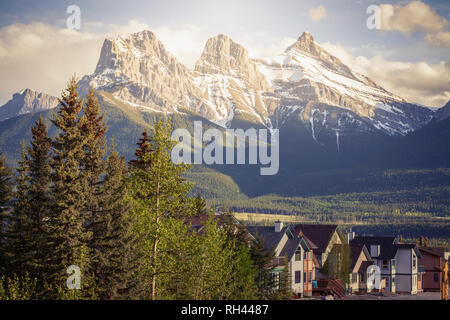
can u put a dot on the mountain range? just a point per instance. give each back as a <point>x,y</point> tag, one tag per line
<point>330,117</point>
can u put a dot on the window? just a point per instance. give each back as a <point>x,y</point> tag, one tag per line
<point>385,264</point>
<point>305,255</point>
<point>297,276</point>
<point>304,276</point>
<point>387,281</point>
<point>436,277</point>
<point>298,253</point>
<point>414,261</point>
<point>354,277</point>
<point>310,277</point>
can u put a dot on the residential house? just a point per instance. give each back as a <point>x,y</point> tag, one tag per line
<point>398,263</point>
<point>324,237</point>
<point>432,260</point>
<point>197,223</point>
<point>360,261</point>
<point>297,249</point>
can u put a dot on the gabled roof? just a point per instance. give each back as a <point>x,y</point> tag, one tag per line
<point>319,234</point>
<point>268,234</point>
<point>435,251</point>
<point>410,246</point>
<point>355,252</point>
<point>388,246</point>
<point>388,249</point>
<point>272,239</point>
<point>197,223</point>
<point>291,246</point>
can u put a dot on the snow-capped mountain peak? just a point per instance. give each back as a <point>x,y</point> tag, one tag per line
<point>306,74</point>
<point>137,69</point>
<point>226,83</point>
<point>232,82</point>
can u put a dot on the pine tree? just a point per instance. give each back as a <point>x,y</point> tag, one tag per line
<point>142,160</point>
<point>199,205</point>
<point>18,250</point>
<point>262,260</point>
<point>116,258</point>
<point>92,165</point>
<point>68,190</point>
<point>5,197</point>
<point>5,181</point>
<point>159,192</point>
<point>39,194</point>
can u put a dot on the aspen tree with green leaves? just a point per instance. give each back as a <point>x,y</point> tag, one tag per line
<point>159,193</point>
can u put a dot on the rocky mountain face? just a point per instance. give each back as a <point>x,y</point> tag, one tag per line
<point>443,113</point>
<point>138,70</point>
<point>305,83</point>
<point>331,98</point>
<point>27,101</point>
<point>232,83</point>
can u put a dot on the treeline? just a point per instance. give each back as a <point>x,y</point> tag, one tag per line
<point>411,230</point>
<point>402,205</point>
<point>85,225</point>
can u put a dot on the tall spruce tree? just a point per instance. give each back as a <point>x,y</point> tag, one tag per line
<point>142,161</point>
<point>199,205</point>
<point>117,257</point>
<point>17,235</point>
<point>68,215</point>
<point>28,237</point>
<point>92,164</point>
<point>6,188</point>
<point>39,157</point>
<point>5,181</point>
<point>262,260</point>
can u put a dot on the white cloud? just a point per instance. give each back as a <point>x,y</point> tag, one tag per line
<point>44,57</point>
<point>439,39</point>
<point>416,16</point>
<point>317,14</point>
<point>421,82</point>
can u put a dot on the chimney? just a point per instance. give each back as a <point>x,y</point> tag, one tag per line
<point>349,235</point>
<point>278,226</point>
<point>374,250</point>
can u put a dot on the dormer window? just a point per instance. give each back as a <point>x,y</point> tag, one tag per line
<point>298,254</point>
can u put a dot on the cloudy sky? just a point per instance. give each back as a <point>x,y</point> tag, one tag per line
<point>408,52</point>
